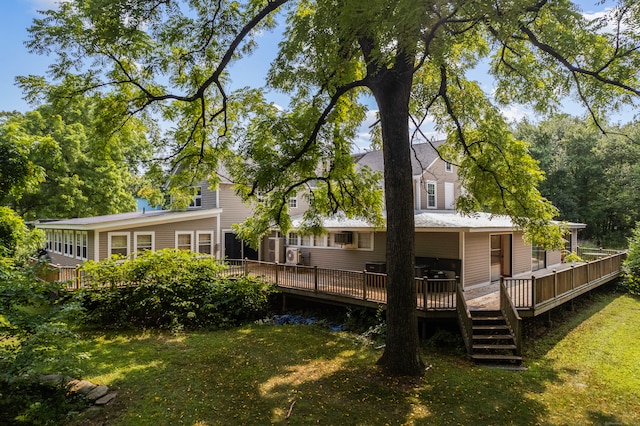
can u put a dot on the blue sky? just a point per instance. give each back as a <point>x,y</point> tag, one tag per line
<point>16,16</point>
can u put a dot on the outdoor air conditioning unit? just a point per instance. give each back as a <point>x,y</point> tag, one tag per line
<point>293,255</point>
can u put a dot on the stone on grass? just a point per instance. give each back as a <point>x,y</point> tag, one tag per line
<point>106,399</point>
<point>97,392</point>
<point>81,386</point>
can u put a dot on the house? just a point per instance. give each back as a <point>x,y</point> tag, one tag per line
<point>479,248</point>
<point>204,227</point>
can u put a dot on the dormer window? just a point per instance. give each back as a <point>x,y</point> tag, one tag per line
<point>197,198</point>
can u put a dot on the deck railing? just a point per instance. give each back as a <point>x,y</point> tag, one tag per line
<point>511,316</point>
<point>530,293</point>
<point>432,294</point>
<point>464,318</point>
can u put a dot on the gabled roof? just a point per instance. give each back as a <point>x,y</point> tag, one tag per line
<point>126,220</point>
<point>423,155</point>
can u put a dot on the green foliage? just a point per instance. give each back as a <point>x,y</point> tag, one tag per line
<point>631,265</point>
<point>169,289</point>
<point>590,176</point>
<point>572,257</point>
<point>83,170</point>
<point>35,339</point>
<point>17,242</point>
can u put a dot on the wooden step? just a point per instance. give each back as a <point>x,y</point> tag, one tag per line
<point>495,347</point>
<point>496,358</point>
<point>495,327</point>
<point>485,319</point>
<point>493,336</point>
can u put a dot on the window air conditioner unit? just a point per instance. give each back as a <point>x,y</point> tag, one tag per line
<point>293,255</point>
<point>344,238</point>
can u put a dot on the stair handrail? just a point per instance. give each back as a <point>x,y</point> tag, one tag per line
<point>511,316</point>
<point>464,318</point>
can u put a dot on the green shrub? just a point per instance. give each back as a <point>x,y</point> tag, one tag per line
<point>34,339</point>
<point>631,265</point>
<point>572,257</point>
<point>170,289</point>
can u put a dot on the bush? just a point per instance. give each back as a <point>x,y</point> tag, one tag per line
<point>170,289</point>
<point>34,339</point>
<point>631,265</point>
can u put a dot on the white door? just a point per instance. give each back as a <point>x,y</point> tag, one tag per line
<point>449,197</point>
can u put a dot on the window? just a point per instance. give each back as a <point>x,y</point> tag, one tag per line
<point>431,195</point>
<point>538,258</point>
<point>365,240</point>
<point>143,241</point>
<point>67,243</point>
<point>81,245</point>
<point>292,239</point>
<point>306,241</point>
<point>184,240</point>
<point>205,242</point>
<point>448,167</point>
<point>57,243</point>
<point>293,202</point>
<point>197,198</point>
<point>320,241</point>
<point>50,240</point>
<point>118,243</point>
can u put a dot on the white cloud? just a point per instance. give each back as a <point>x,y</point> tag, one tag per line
<point>514,112</point>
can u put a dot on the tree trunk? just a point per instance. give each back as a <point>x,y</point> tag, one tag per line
<point>402,351</point>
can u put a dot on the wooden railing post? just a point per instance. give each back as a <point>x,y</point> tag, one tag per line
<point>425,286</point>
<point>315,278</point>
<point>555,283</point>
<point>276,274</point>
<point>245,267</point>
<point>533,292</point>
<point>573,277</point>
<point>364,285</point>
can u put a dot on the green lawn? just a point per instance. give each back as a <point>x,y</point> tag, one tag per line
<point>586,371</point>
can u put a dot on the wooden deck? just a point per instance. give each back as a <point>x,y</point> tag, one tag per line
<point>531,294</point>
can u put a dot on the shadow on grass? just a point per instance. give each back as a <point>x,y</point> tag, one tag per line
<point>258,375</point>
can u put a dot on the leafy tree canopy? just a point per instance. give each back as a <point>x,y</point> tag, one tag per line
<point>170,60</point>
<point>85,167</point>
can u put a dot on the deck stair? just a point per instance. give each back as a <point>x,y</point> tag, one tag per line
<point>493,340</point>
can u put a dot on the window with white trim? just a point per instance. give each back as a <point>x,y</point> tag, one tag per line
<point>50,240</point>
<point>448,167</point>
<point>293,202</point>
<point>292,239</point>
<point>58,241</point>
<point>118,243</point>
<point>82,244</point>
<point>205,242</point>
<point>320,241</point>
<point>431,195</point>
<point>365,240</point>
<point>196,202</point>
<point>67,243</point>
<point>184,240</point>
<point>143,241</point>
<point>306,240</point>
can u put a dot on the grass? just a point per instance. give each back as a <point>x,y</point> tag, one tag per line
<point>585,371</point>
